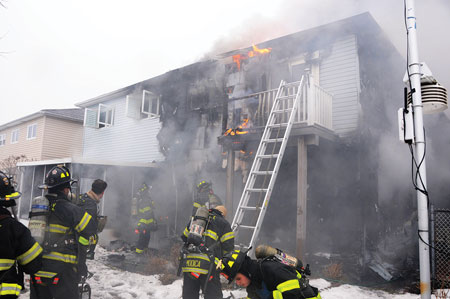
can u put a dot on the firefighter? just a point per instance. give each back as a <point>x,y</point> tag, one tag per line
<point>205,196</point>
<point>66,240</point>
<point>89,201</point>
<point>199,258</point>
<point>19,251</point>
<point>267,278</point>
<point>146,218</point>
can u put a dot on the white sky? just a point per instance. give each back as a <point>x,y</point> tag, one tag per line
<point>57,53</point>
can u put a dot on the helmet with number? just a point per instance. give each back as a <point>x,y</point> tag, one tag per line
<point>204,186</point>
<point>57,178</point>
<point>232,264</point>
<point>7,193</point>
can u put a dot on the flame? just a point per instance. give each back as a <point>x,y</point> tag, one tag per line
<point>239,130</point>
<point>255,52</point>
<point>237,59</point>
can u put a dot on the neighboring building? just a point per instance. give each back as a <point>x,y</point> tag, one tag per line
<point>47,134</point>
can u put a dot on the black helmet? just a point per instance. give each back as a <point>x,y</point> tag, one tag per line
<point>58,176</point>
<point>203,186</point>
<point>7,192</point>
<point>232,263</point>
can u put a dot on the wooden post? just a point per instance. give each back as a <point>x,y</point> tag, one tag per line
<point>302,167</point>
<point>230,184</point>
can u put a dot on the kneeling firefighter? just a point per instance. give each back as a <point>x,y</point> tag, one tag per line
<point>268,277</point>
<point>208,237</point>
<point>67,229</point>
<point>19,251</point>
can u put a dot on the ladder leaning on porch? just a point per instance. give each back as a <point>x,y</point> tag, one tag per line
<point>251,209</point>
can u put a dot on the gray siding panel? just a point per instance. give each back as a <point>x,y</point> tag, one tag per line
<point>339,75</point>
<point>127,140</point>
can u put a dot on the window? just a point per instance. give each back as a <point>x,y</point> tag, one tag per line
<point>2,139</point>
<point>150,104</point>
<point>31,131</point>
<point>105,116</point>
<point>101,117</point>
<point>142,106</point>
<point>15,136</point>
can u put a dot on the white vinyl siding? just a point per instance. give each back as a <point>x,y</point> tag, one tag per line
<point>339,75</point>
<point>128,140</point>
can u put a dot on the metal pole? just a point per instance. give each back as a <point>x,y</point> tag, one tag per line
<point>21,171</point>
<point>103,201</point>
<point>422,200</point>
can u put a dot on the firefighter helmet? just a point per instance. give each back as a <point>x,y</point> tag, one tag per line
<point>232,263</point>
<point>144,187</point>
<point>204,186</point>
<point>7,192</point>
<point>58,176</point>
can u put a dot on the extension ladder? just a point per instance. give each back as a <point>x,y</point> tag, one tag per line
<point>257,191</point>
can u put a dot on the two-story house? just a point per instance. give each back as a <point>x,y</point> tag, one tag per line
<point>343,193</point>
<point>47,134</point>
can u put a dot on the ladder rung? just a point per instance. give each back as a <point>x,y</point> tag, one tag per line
<point>282,111</point>
<point>257,189</point>
<point>286,97</point>
<point>296,83</point>
<point>247,226</point>
<point>262,172</point>
<point>278,125</point>
<point>267,156</point>
<point>273,140</point>
<point>250,208</point>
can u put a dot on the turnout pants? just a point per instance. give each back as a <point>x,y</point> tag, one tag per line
<point>65,288</point>
<point>142,242</point>
<point>192,286</point>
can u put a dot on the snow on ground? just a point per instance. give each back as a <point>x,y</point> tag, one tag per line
<point>110,283</point>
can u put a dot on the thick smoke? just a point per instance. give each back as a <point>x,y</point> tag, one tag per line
<point>389,173</point>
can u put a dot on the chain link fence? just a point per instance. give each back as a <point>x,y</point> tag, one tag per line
<point>440,247</point>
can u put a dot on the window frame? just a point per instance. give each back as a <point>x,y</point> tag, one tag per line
<point>109,117</point>
<point>35,131</point>
<point>2,139</point>
<point>15,133</point>
<point>152,97</point>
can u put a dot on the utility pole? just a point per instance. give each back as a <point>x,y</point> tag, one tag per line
<point>422,200</point>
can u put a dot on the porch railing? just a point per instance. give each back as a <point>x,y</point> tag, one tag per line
<point>315,106</point>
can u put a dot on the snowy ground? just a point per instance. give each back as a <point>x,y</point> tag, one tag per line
<point>109,283</point>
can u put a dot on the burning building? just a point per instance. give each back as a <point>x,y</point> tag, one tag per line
<point>342,194</point>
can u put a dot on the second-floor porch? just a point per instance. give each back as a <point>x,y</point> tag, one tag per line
<point>248,115</point>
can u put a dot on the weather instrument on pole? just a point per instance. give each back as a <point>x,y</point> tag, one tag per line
<point>425,96</point>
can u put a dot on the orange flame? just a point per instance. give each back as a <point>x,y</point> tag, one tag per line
<point>258,51</point>
<point>239,130</point>
<point>255,52</point>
